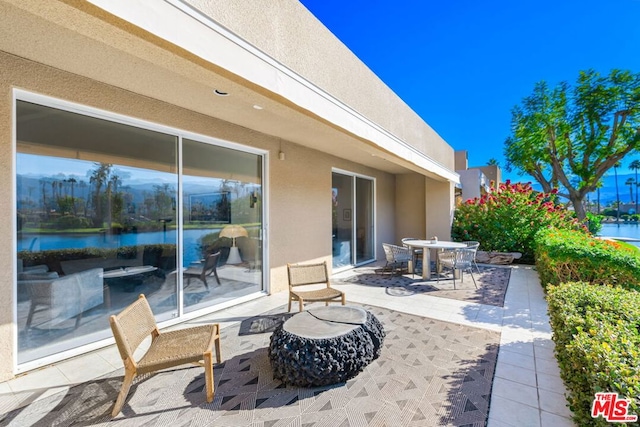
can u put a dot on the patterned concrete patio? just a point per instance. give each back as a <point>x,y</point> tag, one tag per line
<point>526,388</point>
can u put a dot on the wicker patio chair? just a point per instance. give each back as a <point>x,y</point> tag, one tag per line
<point>398,257</point>
<point>311,274</point>
<point>209,267</point>
<point>457,259</point>
<point>167,349</point>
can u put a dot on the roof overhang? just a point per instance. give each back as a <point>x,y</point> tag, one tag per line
<point>160,39</point>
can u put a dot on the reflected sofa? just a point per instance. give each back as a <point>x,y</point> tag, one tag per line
<point>57,299</point>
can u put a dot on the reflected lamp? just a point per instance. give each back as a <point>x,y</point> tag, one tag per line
<point>233,231</point>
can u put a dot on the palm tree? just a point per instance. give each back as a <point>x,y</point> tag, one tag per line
<point>615,172</point>
<point>630,182</point>
<point>72,181</point>
<point>635,165</point>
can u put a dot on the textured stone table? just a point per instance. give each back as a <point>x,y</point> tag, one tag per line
<point>325,345</point>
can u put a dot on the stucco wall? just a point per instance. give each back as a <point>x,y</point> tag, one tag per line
<point>410,205</point>
<point>439,208</point>
<point>299,187</point>
<point>288,32</point>
<point>7,224</point>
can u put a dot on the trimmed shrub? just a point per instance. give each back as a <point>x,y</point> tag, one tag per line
<point>507,218</point>
<point>71,221</point>
<point>594,223</point>
<point>595,329</point>
<point>570,256</point>
<point>52,258</point>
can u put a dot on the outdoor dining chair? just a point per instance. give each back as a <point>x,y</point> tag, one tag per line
<point>472,244</point>
<point>208,268</point>
<point>457,259</point>
<point>312,274</point>
<point>167,349</point>
<point>398,257</point>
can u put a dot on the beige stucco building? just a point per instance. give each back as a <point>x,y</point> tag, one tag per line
<point>475,180</point>
<point>123,120</point>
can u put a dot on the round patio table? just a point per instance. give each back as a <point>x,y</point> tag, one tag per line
<point>427,245</point>
<point>325,345</point>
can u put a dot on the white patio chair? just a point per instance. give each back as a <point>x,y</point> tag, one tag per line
<point>457,259</point>
<point>398,257</point>
<point>472,244</point>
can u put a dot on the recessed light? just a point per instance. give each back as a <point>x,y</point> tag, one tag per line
<point>257,107</point>
<point>220,93</point>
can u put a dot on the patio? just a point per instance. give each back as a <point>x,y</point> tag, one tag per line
<point>526,390</point>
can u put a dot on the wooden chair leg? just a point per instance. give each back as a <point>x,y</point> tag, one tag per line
<point>124,391</point>
<point>208,375</point>
<point>217,343</point>
<point>301,303</point>
<point>290,299</point>
<point>344,299</point>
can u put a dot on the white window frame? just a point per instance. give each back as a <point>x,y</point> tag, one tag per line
<point>48,101</point>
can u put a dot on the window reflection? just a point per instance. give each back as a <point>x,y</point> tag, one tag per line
<point>222,213</point>
<point>96,226</point>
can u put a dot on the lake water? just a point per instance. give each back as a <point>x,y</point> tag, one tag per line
<point>45,242</point>
<point>621,230</point>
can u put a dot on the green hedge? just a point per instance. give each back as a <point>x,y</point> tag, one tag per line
<point>570,256</point>
<point>595,329</point>
<point>152,255</point>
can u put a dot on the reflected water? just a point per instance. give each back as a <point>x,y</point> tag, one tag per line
<point>44,242</point>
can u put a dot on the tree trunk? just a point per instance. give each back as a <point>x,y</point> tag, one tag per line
<point>578,207</point>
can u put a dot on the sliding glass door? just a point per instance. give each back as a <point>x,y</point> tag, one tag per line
<point>108,210</point>
<point>353,237</point>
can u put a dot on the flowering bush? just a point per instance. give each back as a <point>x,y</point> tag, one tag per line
<point>506,219</point>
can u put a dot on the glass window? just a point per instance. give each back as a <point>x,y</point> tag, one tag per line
<point>222,215</point>
<point>104,215</point>
<point>352,210</point>
<point>96,206</point>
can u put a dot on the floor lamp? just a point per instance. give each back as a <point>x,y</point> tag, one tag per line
<point>232,232</point>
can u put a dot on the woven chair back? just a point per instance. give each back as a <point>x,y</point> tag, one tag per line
<point>387,252</point>
<point>131,326</point>
<point>307,274</point>
<point>472,244</point>
<point>464,258</point>
<point>395,253</point>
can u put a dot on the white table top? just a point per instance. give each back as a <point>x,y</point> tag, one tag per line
<point>430,244</point>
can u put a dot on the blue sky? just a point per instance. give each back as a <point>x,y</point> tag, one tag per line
<point>462,65</point>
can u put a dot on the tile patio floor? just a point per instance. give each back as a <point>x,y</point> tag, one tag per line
<point>527,389</point>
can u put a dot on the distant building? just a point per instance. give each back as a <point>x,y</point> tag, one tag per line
<point>474,181</point>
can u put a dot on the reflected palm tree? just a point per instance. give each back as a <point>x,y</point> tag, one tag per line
<point>615,172</point>
<point>630,182</point>
<point>635,165</point>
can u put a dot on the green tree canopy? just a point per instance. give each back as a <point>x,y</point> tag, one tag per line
<point>568,137</point>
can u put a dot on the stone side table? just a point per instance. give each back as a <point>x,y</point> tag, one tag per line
<point>325,345</point>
